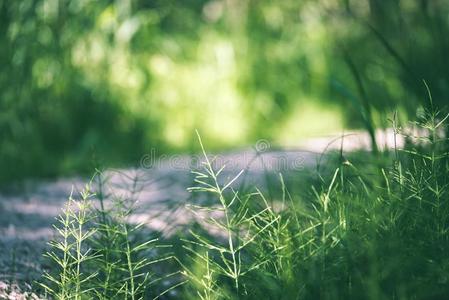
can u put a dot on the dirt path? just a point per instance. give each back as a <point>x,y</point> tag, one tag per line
<point>26,217</point>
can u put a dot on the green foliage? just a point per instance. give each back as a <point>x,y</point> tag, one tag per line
<point>70,252</point>
<point>98,254</point>
<point>240,225</point>
<point>84,81</point>
<point>377,232</point>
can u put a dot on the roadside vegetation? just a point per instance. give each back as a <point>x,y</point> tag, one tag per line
<point>371,230</point>
<point>93,86</point>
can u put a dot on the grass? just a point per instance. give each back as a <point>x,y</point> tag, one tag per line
<point>377,229</point>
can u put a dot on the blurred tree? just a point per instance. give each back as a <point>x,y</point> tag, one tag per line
<point>111,79</point>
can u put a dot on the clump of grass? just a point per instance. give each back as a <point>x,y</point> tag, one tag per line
<point>359,233</point>
<point>99,254</point>
<point>378,232</point>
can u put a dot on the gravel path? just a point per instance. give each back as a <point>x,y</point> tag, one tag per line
<point>26,216</point>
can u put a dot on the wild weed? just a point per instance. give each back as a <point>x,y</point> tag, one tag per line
<point>102,255</point>
<point>237,223</point>
<point>366,230</point>
<point>70,253</point>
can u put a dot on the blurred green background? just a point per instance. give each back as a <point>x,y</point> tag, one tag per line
<point>85,82</point>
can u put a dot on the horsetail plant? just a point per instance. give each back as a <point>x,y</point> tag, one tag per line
<point>70,252</point>
<point>100,254</point>
<point>236,222</point>
<point>378,232</point>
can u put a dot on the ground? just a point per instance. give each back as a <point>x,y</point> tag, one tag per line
<point>27,213</point>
